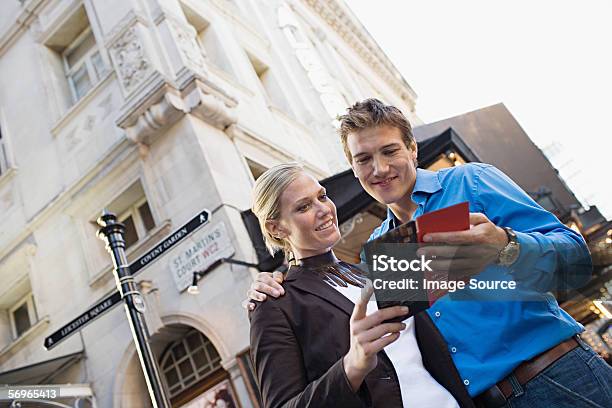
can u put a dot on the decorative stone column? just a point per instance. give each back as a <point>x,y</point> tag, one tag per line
<point>332,100</point>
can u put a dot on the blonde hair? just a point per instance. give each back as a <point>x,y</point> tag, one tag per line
<point>266,201</point>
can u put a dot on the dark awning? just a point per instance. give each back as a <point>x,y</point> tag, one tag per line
<point>39,373</point>
<point>432,147</point>
<point>265,261</point>
<point>348,195</point>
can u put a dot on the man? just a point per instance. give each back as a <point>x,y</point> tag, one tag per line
<point>523,353</point>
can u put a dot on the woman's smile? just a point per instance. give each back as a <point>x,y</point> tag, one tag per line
<point>329,223</point>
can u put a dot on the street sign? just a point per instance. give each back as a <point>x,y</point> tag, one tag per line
<point>97,310</point>
<point>114,298</point>
<point>207,246</point>
<point>173,239</point>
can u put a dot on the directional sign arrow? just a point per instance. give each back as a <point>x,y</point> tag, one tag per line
<point>97,310</point>
<point>173,239</point>
<point>114,298</point>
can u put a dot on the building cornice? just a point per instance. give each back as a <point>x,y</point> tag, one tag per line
<point>336,15</point>
<point>162,103</point>
<point>28,13</point>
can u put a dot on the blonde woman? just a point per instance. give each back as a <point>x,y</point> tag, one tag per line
<point>323,344</point>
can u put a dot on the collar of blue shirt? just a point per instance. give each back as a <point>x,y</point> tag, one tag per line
<point>427,183</point>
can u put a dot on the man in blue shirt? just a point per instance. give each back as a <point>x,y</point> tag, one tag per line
<point>523,353</point>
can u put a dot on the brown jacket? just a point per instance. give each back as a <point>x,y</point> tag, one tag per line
<point>299,339</point>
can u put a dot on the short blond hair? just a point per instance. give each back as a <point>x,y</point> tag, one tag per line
<point>267,193</point>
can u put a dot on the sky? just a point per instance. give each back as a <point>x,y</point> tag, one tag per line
<point>549,62</point>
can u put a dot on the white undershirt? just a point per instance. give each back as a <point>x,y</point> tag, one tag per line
<point>418,387</point>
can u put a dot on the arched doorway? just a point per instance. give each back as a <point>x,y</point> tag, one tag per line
<point>191,368</point>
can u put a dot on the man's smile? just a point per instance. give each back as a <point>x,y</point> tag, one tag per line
<point>384,182</point>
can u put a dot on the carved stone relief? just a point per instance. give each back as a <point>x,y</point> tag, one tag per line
<point>192,53</point>
<point>130,60</point>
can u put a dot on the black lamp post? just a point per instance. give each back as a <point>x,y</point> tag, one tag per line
<point>112,232</point>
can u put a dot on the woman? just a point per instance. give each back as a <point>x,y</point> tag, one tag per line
<point>322,344</point>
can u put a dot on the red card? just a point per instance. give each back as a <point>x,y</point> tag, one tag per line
<point>449,219</point>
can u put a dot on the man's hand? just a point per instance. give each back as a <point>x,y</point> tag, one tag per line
<point>368,336</point>
<point>265,283</point>
<point>461,254</point>
<point>482,231</point>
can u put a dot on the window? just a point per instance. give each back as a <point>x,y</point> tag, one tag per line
<point>188,361</point>
<point>138,221</point>
<point>23,315</point>
<point>83,64</point>
<point>210,41</point>
<point>211,44</point>
<point>75,61</point>
<point>272,89</point>
<point>132,209</point>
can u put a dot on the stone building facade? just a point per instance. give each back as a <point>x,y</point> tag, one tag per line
<point>157,109</point>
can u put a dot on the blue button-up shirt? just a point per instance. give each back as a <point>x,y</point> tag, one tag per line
<point>488,339</point>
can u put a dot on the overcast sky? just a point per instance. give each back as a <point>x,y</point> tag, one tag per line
<point>549,62</point>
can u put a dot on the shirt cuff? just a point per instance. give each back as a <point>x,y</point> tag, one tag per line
<point>536,263</point>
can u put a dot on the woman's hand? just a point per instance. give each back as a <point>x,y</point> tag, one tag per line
<point>369,336</point>
<point>265,283</point>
